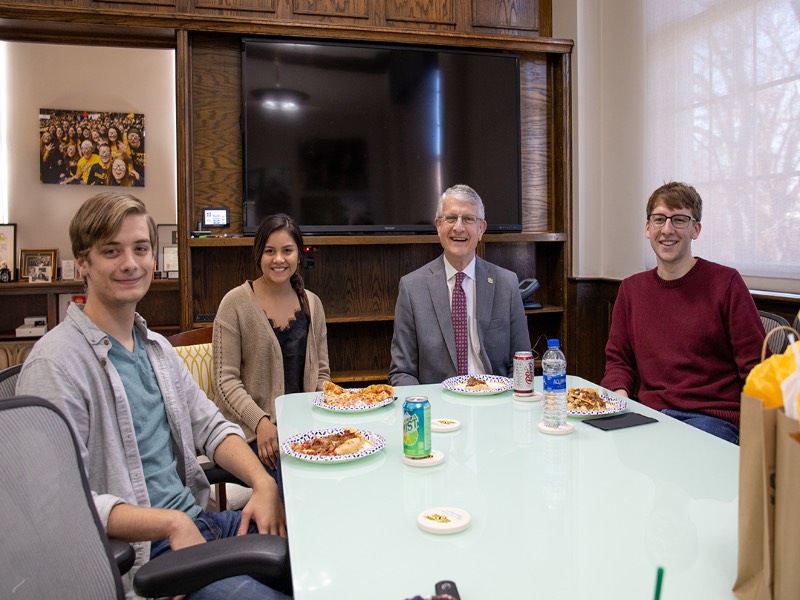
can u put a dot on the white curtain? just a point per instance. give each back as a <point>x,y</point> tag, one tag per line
<point>723,113</point>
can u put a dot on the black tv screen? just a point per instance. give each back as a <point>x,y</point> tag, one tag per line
<point>360,138</point>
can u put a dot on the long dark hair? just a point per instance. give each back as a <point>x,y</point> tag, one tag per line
<point>268,226</point>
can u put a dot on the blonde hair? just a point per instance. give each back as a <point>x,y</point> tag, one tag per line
<point>100,218</point>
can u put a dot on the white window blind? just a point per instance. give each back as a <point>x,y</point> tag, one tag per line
<point>723,114</point>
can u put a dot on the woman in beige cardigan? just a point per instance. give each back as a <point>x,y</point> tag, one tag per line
<point>270,339</point>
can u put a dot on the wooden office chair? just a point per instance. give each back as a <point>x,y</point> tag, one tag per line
<point>195,349</point>
<point>778,341</point>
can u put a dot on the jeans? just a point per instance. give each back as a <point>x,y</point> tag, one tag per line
<point>214,526</point>
<point>713,425</point>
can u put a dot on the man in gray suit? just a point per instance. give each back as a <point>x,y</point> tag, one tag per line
<point>424,342</point>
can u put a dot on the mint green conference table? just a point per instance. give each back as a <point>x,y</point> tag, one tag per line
<point>588,515</point>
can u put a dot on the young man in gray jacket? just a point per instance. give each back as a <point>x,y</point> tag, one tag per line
<point>135,408</point>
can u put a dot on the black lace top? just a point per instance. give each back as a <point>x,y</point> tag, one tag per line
<point>293,348</point>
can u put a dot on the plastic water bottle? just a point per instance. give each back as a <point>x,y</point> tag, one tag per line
<point>554,370</point>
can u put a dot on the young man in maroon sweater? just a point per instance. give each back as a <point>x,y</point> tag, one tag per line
<point>688,328</point>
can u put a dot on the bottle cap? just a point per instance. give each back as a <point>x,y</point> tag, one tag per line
<point>552,343</point>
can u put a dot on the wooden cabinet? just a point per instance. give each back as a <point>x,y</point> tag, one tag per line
<point>20,300</point>
<point>160,307</point>
<point>356,276</point>
<point>357,279</point>
<point>507,17</point>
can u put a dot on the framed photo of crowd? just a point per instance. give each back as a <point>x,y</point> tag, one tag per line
<point>81,147</point>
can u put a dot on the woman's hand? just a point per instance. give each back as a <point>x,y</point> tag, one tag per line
<point>267,442</point>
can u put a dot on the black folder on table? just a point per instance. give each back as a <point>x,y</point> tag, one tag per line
<point>620,421</point>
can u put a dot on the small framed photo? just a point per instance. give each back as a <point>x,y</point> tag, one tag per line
<point>38,266</point>
<point>170,258</point>
<point>8,250</point>
<point>167,236</point>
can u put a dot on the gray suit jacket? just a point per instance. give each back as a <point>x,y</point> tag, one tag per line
<point>424,346</point>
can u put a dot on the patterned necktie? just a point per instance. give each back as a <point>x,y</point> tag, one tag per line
<point>459,315</point>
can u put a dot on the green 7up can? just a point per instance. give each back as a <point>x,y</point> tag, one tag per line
<point>416,427</point>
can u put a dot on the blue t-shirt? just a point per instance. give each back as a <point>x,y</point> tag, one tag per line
<point>153,437</point>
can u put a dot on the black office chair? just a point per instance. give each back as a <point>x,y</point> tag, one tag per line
<point>778,341</point>
<point>8,380</point>
<point>53,538</point>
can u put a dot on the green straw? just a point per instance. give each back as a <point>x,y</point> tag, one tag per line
<point>659,578</point>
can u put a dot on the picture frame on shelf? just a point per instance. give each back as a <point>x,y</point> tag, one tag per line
<point>8,251</point>
<point>38,265</point>
<point>167,236</point>
<point>170,258</point>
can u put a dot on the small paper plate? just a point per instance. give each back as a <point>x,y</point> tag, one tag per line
<point>445,425</point>
<point>319,401</point>
<point>496,383</point>
<point>443,520</point>
<point>614,404</point>
<point>375,442</point>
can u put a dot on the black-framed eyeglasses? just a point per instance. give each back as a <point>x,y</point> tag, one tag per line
<point>678,221</point>
<point>465,219</point>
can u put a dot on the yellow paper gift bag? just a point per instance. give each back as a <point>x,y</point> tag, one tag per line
<point>764,380</point>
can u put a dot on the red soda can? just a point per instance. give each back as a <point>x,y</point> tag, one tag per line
<point>523,373</point>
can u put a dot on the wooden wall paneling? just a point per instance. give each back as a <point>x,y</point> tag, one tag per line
<point>360,351</point>
<point>593,300</point>
<point>357,9</point>
<point>215,271</point>
<point>360,282</point>
<point>216,132</point>
<point>183,109</point>
<point>151,6</point>
<point>410,12</point>
<point>18,303</point>
<point>560,151</point>
<point>235,8</point>
<point>505,15</point>
<point>161,307</point>
<point>536,163</point>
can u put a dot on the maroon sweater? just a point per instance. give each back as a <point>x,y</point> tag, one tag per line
<point>692,340</point>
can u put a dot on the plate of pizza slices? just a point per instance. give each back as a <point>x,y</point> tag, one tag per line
<point>589,402</point>
<point>478,385</point>
<point>336,444</point>
<point>349,400</point>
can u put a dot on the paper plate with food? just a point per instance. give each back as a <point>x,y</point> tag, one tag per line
<point>478,385</point>
<point>338,399</point>
<point>584,402</point>
<point>336,444</point>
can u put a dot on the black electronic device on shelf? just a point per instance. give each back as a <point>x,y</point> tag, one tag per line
<point>526,288</point>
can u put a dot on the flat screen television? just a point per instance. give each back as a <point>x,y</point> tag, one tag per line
<point>351,137</point>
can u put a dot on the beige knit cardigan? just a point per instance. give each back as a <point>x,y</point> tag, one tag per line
<point>248,364</point>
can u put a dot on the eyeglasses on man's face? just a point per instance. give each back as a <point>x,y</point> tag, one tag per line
<point>465,219</point>
<point>678,221</point>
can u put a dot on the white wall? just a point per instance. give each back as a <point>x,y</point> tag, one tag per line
<point>92,78</point>
<point>609,194</point>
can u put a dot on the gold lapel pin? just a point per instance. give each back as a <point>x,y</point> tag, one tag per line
<point>490,280</point>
